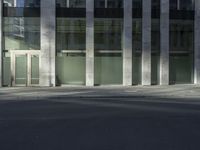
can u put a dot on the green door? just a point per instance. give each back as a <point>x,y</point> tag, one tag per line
<point>25,69</point>
<point>21,70</point>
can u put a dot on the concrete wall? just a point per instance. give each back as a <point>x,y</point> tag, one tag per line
<point>146,43</point>
<point>127,43</point>
<point>197,43</point>
<point>164,42</point>
<point>90,42</point>
<point>1,42</point>
<point>48,43</point>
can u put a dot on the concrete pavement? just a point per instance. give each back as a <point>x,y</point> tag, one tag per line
<point>100,118</point>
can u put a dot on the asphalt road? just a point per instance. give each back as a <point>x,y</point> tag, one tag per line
<point>63,122</point>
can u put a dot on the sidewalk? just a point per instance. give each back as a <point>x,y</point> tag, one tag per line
<point>166,92</point>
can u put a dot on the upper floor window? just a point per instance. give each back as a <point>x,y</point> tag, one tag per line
<point>71,3</point>
<point>108,3</point>
<point>21,3</point>
<point>155,4</point>
<point>182,4</point>
<point>137,4</point>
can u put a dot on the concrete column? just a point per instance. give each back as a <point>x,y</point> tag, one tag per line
<point>90,43</point>
<point>164,42</point>
<point>1,43</point>
<point>127,43</point>
<point>146,43</point>
<point>197,44</point>
<point>48,42</point>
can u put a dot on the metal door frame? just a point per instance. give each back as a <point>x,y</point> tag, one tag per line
<point>28,54</point>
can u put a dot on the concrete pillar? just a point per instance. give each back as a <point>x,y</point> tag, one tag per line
<point>1,43</point>
<point>164,42</point>
<point>48,42</point>
<point>127,43</point>
<point>197,44</point>
<point>146,43</point>
<point>90,43</point>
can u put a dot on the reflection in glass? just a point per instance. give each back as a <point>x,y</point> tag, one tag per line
<point>21,3</point>
<point>155,50</point>
<point>108,34</point>
<point>181,68</point>
<point>108,68</point>
<point>35,69</point>
<point>108,51</point>
<point>137,50</point>
<point>21,33</point>
<point>71,3</point>
<point>6,69</point>
<point>70,45</point>
<point>182,4</point>
<point>108,3</point>
<point>70,68</point>
<point>137,4</point>
<point>182,35</point>
<point>181,51</point>
<point>21,69</point>
<point>155,4</point>
<point>71,34</point>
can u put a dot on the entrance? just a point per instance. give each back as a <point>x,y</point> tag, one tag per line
<point>25,68</point>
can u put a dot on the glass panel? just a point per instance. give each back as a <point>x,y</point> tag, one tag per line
<point>71,3</point>
<point>71,34</point>
<point>6,70</point>
<point>137,72</point>
<point>108,34</point>
<point>137,35</point>
<point>70,69</point>
<point>108,51</point>
<point>182,46</point>
<point>71,45</point>
<point>115,3</point>
<point>21,3</point>
<point>137,4</point>
<point>77,3</point>
<point>155,42</point>
<point>155,4</point>
<point>21,69</point>
<point>137,50</point>
<point>99,4</point>
<point>182,4</point>
<point>34,69</point>
<point>181,69</point>
<point>108,3</point>
<point>181,35</point>
<point>154,68</point>
<point>108,69</point>
<point>21,33</point>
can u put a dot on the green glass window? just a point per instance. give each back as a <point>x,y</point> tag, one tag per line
<point>71,34</point>
<point>6,69</point>
<point>181,51</point>
<point>21,3</point>
<point>182,44</point>
<point>108,3</point>
<point>108,51</point>
<point>137,50</point>
<point>70,46</point>
<point>70,68</point>
<point>71,3</point>
<point>108,34</point>
<point>182,4</point>
<point>21,33</point>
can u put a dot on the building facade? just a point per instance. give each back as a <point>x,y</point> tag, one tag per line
<point>99,42</point>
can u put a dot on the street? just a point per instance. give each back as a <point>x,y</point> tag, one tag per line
<point>102,118</point>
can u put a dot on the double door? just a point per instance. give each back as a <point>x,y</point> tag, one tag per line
<point>25,67</point>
